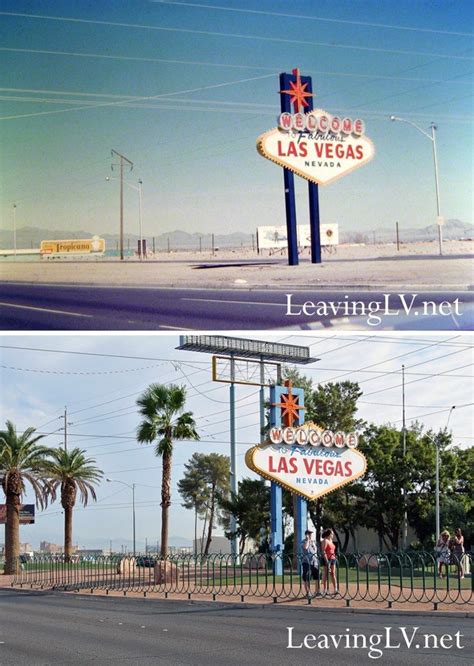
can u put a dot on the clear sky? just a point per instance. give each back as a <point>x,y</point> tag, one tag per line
<point>100,394</point>
<point>199,82</point>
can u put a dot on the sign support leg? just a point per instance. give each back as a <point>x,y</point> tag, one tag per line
<point>314,223</point>
<point>276,503</point>
<point>290,203</point>
<point>301,522</point>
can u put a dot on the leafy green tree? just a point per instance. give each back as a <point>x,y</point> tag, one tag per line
<point>388,472</point>
<point>206,482</point>
<point>164,422</point>
<point>332,406</point>
<point>21,461</point>
<point>194,494</point>
<point>251,509</point>
<point>72,472</point>
<point>456,483</point>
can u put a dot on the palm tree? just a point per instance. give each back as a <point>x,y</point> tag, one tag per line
<point>21,459</point>
<point>72,472</point>
<point>165,421</point>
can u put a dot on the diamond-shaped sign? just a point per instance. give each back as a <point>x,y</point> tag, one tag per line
<point>319,150</point>
<point>306,470</point>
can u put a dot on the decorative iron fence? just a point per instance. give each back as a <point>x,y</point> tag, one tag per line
<point>396,577</point>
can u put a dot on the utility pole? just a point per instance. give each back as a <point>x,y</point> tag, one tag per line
<point>123,160</point>
<point>405,517</point>
<point>438,204</point>
<point>65,428</point>
<point>233,451</point>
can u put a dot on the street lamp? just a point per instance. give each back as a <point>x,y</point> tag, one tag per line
<point>132,486</point>
<point>437,475</point>
<point>14,230</point>
<point>432,138</point>
<point>138,188</point>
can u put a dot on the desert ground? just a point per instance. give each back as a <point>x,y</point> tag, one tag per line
<point>414,266</point>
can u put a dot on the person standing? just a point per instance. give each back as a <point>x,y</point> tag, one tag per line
<point>310,563</point>
<point>328,550</point>
<point>443,552</point>
<point>457,550</point>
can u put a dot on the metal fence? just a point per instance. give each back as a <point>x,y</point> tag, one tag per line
<point>396,577</point>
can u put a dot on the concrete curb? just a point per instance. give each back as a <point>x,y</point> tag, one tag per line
<point>390,288</point>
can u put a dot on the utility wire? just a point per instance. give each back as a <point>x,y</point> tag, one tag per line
<point>227,35</point>
<point>306,17</point>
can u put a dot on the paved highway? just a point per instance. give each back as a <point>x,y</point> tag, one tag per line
<point>52,628</point>
<point>65,307</point>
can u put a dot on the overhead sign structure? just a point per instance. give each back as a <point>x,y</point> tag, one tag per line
<point>317,146</point>
<point>27,514</point>
<point>234,362</point>
<point>94,245</point>
<point>308,460</point>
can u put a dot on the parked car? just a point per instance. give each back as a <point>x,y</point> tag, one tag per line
<point>145,561</point>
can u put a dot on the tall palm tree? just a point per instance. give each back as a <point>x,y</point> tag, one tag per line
<point>71,471</point>
<point>21,460</point>
<point>164,422</point>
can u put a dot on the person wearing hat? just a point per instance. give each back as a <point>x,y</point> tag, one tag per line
<point>310,562</point>
<point>443,552</point>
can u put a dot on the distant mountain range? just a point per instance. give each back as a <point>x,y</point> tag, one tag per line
<point>31,237</point>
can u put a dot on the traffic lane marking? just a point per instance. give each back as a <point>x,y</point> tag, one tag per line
<point>51,311</point>
<point>220,300</point>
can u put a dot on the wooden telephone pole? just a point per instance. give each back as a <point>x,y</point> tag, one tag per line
<point>123,160</point>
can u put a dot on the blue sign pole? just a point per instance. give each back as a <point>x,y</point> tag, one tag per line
<point>289,181</point>
<point>300,521</point>
<point>276,502</point>
<point>276,542</point>
<point>313,192</point>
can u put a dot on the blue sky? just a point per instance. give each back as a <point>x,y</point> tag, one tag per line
<point>100,394</point>
<point>209,76</point>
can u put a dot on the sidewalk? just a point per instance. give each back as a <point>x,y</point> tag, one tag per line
<point>327,604</point>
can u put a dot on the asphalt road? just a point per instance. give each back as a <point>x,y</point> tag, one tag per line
<point>53,628</point>
<point>65,307</point>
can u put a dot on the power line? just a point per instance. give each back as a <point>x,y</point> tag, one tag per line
<point>386,339</point>
<point>148,97</point>
<point>78,372</point>
<point>413,381</point>
<point>263,38</point>
<point>260,68</point>
<point>82,353</point>
<point>306,17</point>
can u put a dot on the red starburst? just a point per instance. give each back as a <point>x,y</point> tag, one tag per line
<point>289,406</point>
<point>298,93</point>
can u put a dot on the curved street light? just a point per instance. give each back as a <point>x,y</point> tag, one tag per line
<point>138,188</point>
<point>437,474</point>
<point>132,487</point>
<point>432,138</point>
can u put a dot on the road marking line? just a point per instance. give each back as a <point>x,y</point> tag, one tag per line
<point>30,307</point>
<point>176,328</point>
<point>220,300</point>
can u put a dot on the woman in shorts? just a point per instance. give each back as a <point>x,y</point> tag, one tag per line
<point>328,552</point>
